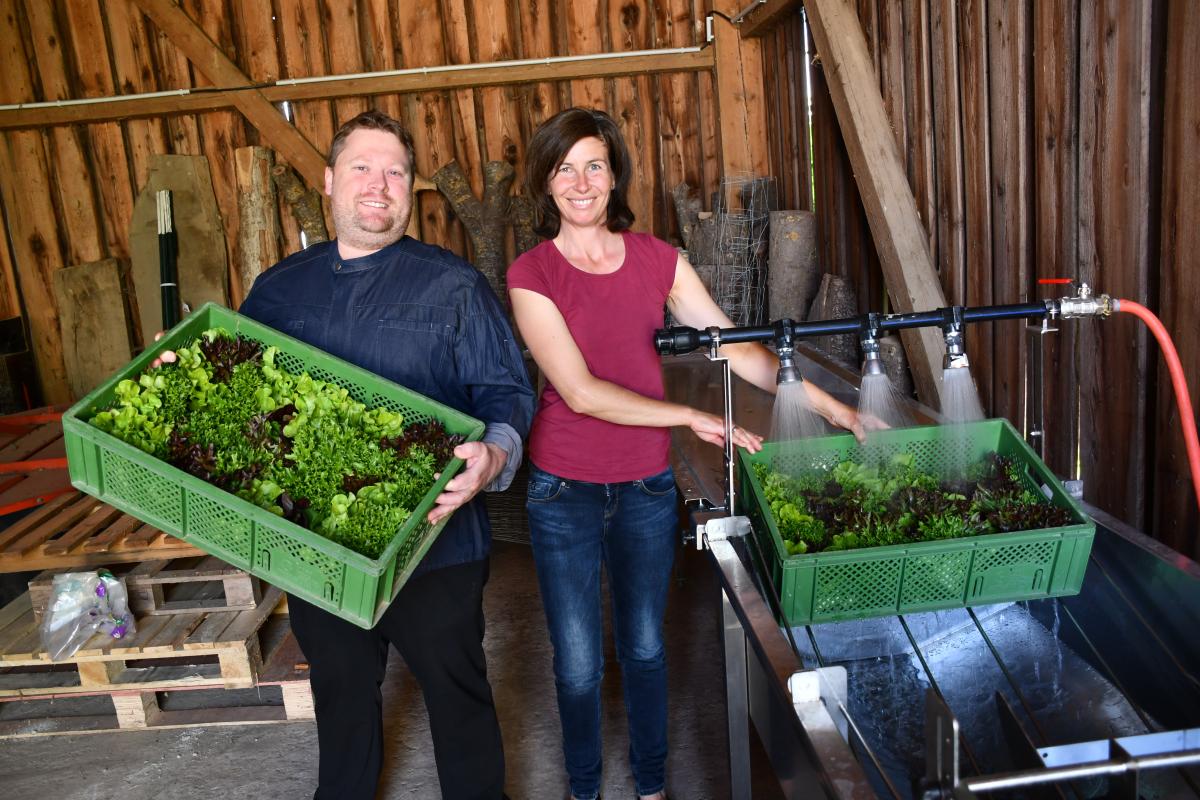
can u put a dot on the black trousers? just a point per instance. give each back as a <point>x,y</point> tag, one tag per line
<point>436,623</point>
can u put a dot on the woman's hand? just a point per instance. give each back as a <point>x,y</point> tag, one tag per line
<point>840,415</point>
<point>711,429</point>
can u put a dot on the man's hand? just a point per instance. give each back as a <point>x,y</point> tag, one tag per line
<point>484,463</point>
<point>165,357</point>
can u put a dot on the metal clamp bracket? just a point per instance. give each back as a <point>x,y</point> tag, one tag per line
<point>826,686</point>
<point>721,529</point>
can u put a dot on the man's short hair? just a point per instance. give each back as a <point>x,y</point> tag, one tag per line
<point>550,144</point>
<point>376,121</point>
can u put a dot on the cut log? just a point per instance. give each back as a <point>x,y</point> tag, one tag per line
<point>487,221</point>
<point>304,202</point>
<point>259,212</point>
<point>687,213</point>
<point>836,300</point>
<point>793,272</point>
<point>895,364</point>
<point>95,332</point>
<point>522,222</point>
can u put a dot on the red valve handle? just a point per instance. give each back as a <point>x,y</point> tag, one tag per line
<point>1045,281</point>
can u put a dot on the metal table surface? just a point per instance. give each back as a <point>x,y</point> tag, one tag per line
<point>841,708</point>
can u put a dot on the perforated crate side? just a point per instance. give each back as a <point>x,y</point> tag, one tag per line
<point>856,587</point>
<point>293,558</point>
<point>925,575</point>
<point>220,529</point>
<point>934,580</point>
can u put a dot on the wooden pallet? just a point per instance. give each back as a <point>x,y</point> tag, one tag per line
<point>34,438</point>
<point>171,586</point>
<point>214,648</point>
<point>77,530</point>
<point>282,694</point>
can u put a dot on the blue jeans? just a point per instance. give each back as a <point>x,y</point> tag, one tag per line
<point>631,527</point>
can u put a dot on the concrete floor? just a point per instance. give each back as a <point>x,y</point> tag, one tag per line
<point>279,760</point>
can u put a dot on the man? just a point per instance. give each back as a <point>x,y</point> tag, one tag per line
<point>423,317</point>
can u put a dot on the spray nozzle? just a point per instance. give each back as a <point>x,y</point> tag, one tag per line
<point>872,362</point>
<point>952,330</point>
<point>785,335</point>
<point>788,373</point>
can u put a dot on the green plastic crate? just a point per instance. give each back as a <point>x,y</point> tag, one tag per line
<point>300,561</point>
<point>899,579</point>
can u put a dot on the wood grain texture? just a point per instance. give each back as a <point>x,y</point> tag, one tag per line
<point>919,116</point>
<point>1055,159</point>
<point>463,102</point>
<point>1173,515</point>
<point>1114,241</point>
<point>111,163</point>
<point>30,216</point>
<point>972,285</point>
<point>68,145</point>
<point>92,318</point>
<point>134,69</point>
<point>345,53</point>
<point>1008,32</point>
<point>629,24</point>
<point>222,132</point>
<point>429,118</point>
<point>584,23</point>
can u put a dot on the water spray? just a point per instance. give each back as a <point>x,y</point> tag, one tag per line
<point>679,340</point>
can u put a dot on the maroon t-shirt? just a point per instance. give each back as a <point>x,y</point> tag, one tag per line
<point>612,318</point>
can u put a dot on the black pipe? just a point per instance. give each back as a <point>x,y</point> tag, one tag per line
<point>678,340</point>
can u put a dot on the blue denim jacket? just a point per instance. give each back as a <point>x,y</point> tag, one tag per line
<point>424,318</point>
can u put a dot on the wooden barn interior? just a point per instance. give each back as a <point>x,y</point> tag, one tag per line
<point>942,152</point>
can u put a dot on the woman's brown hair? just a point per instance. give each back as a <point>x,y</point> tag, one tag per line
<point>550,144</point>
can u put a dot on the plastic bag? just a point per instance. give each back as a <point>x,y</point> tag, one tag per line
<point>82,603</point>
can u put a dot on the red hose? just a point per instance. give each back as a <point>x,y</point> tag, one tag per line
<point>1187,417</point>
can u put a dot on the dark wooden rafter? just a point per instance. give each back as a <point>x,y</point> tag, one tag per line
<point>185,34</point>
<point>766,16</point>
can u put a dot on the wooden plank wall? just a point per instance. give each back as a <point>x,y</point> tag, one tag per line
<point>1042,140</point>
<point>68,190</point>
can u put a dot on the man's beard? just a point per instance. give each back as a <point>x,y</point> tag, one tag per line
<point>370,233</point>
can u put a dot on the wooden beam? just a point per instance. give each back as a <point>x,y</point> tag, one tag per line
<point>735,137</point>
<point>879,171</point>
<point>740,111</point>
<point>216,66</point>
<point>766,17</point>
<point>402,83</point>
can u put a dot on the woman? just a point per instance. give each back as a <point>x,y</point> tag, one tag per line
<point>587,303</point>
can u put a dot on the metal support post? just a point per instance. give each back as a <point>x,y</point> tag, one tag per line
<point>736,701</point>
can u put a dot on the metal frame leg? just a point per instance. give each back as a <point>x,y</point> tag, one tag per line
<point>736,701</point>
